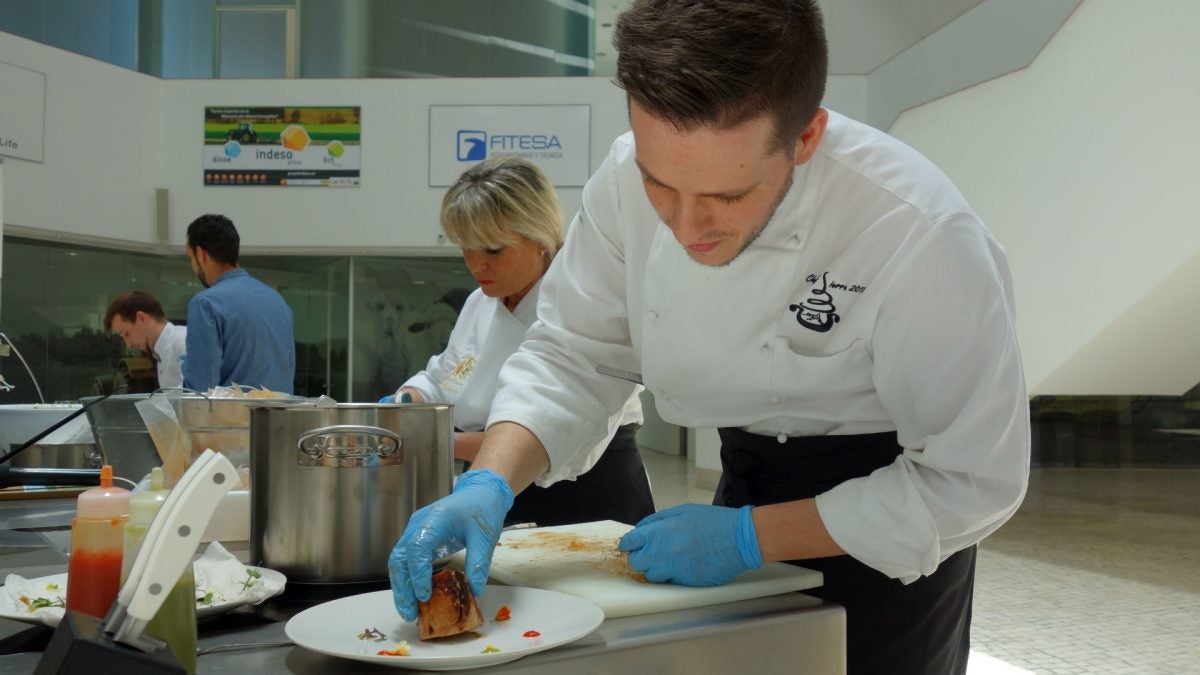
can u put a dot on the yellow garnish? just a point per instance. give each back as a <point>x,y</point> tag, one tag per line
<point>400,650</point>
<point>490,649</point>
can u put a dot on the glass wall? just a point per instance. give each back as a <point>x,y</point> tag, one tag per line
<point>1116,431</point>
<point>322,38</point>
<point>362,325</point>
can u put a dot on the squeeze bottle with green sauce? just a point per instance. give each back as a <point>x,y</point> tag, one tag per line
<point>94,569</point>
<point>175,622</point>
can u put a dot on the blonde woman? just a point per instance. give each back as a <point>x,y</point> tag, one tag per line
<point>504,215</point>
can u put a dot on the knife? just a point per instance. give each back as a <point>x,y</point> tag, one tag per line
<point>633,377</point>
<point>170,542</point>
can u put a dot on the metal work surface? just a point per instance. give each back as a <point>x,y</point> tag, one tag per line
<point>792,633</point>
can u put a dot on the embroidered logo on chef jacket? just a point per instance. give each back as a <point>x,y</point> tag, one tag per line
<point>463,368</point>
<point>456,377</point>
<point>817,311</point>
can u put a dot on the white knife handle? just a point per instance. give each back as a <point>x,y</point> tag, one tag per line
<point>125,595</point>
<point>170,551</point>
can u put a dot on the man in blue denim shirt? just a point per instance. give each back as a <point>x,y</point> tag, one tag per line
<point>239,329</point>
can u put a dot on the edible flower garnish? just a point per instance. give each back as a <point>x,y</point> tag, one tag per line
<point>490,649</point>
<point>504,614</point>
<point>531,634</point>
<point>400,650</point>
<point>52,587</point>
<point>372,634</point>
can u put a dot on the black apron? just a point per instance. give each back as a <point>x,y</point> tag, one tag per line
<point>892,628</point>
<point>616,488</point>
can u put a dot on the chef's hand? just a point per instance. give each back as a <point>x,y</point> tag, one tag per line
<point>405,397</point>
<point>471,516</point>
<point>693,545</point>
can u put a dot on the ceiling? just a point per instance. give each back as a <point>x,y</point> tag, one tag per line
<point>865,34</point>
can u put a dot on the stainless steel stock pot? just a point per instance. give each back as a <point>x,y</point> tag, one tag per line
<point>332,487</point>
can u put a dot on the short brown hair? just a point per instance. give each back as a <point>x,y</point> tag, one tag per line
<point>128,304</point>
<point>720,63</point>
<point>501,197</point>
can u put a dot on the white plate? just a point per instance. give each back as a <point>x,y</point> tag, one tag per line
<point>222,606</point>
<point>333,627</point>
<point>10,609</point>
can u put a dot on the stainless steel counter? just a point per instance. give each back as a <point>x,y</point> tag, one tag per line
<point>791,633</point>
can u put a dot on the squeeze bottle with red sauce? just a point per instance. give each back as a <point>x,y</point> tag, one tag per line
<point>97,534</point>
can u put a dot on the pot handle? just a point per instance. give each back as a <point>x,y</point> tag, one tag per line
<point>348,445</point>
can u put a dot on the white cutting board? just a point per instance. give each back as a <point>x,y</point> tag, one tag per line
<point>582,560</point>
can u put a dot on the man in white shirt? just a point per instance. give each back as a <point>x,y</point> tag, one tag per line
<point>139,320</point>
<point>813,287</point>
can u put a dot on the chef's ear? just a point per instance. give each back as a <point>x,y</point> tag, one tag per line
<point>810,138</point>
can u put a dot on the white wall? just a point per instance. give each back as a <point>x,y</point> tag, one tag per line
<point>394,209</point>
<point>1084,165</point>
<point>103,152</point>
<point>992,39</point>
<point>113,136</point>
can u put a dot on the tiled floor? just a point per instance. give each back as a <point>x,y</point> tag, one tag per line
<point>1098,572</point>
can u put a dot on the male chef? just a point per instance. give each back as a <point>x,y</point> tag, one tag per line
<point>138,318</point>
<point>811,286</point>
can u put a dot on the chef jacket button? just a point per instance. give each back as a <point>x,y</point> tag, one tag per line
<point>795,240</point>
<point>782,437</point>
<point>765,350</point>
<point>774,399</point>
<point>652,315</point>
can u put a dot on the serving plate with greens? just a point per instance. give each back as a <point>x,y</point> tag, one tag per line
<point>43,600</point>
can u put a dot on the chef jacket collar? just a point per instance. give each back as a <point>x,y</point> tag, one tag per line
<point>791,222</point>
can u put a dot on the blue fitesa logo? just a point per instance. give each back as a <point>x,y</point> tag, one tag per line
<point>472,145</point>
<point>476,145</point>
<point>233,149</point>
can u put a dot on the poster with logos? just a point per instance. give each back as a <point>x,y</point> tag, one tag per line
<point>555,137</point>
<point>282,146</point>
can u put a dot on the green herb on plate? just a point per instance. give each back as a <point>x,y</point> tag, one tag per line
<point>40,603</point>
<point>252,576</point>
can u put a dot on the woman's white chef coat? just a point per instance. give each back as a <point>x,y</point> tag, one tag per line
<point>466,374</point>
<point>874,300</point>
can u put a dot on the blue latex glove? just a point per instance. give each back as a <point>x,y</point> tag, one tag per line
<point>693,545</point>
<point>391,398</point>
<point>471,516</point>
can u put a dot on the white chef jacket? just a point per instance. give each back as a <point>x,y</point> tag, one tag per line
<point>467,373</point>
<point>874,300</point>
<point>169,350</point>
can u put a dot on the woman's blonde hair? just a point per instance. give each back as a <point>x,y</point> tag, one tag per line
<point>499,198</point>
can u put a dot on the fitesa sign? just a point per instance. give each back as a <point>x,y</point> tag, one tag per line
<point>555,137</point>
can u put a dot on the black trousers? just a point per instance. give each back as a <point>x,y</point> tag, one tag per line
<point>616,488</point>
<point>891,627</point>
